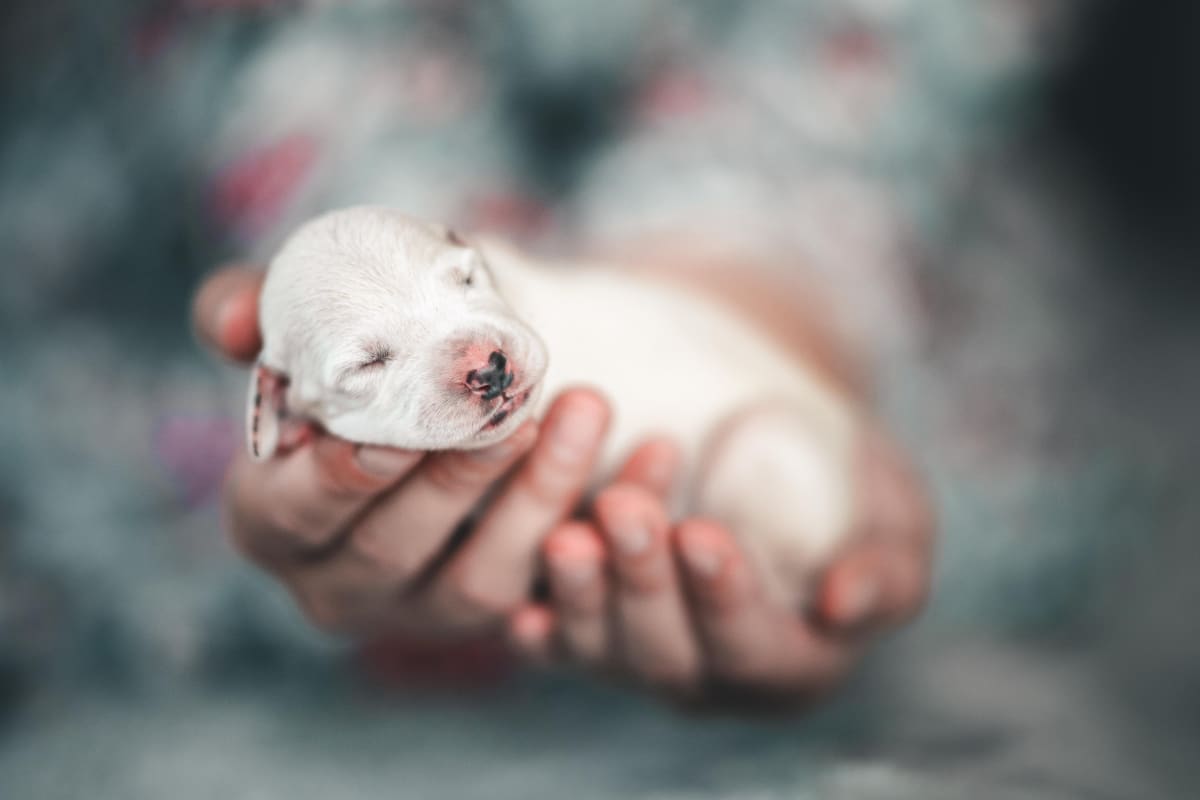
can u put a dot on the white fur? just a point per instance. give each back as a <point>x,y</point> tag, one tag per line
<point>767,444</point>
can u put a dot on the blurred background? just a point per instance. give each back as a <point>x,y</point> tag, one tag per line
<point>1001,195</point>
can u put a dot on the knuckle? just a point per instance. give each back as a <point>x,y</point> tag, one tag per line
<point>380,547</point>
<point>622,495</point>
<point>336,482</point>
<point>644,579</point>
<point>714,602</point>
<point>290,518</point>
<point>337,474</point>
<point>264,541</point>
<point>480,600</point>
<point>580,604</point>
<point>572,535</point>
<point>300,521</point>
<point>550,486</point>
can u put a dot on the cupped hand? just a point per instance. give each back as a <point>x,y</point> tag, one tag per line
<point>677,607</point>
<point>364,537</point>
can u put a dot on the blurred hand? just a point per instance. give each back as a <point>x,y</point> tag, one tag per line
<point>364,537</point>
<point>678,609</point>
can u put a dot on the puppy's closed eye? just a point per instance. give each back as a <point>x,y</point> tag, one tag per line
<point>375,357</point>
<point>360,377</point>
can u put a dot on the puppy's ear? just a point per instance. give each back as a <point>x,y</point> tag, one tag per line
<point>264,411</point>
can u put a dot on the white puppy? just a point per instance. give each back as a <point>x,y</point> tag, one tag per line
<point>391,331</point>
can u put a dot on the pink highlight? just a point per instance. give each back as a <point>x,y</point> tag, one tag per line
<point>194,451</point>
<point>412,661</point>
<point>856,47</point>
<point>249,194</point>
<point>473,357</point>
<point>674,93</point>
<point>509,212</point>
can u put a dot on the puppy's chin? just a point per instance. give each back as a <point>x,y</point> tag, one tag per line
<point>457,431</point>
<point>493,433</point>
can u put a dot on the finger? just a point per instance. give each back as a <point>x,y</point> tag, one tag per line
<point>896,504</point>
<point>747,641</point>
<point>397,538</point>
<point>494,570</point>
<point>297,504</point>
<point>395,542</point>
<point>883,578</point>
<point>574,555</point>
<point>531,634</point>
<point>225,312</point>
<point>654,465</point>
<point>873,586</point>
<point>650,616</point>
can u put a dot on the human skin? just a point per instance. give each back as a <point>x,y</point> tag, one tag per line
<point>362,538</point>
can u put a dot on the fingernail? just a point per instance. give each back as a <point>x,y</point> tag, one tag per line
<point>858,600</point>
<point>386,462</point>
<point>576,433</point>
<point>632,535</point>
<point>701,558</point>
<point>531,628</point>
<point>576,573</point>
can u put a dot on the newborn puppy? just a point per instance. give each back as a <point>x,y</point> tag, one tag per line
<point>390,331</point>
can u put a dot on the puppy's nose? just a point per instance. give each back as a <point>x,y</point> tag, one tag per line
<point>491,381</point>
<point>497,361</point>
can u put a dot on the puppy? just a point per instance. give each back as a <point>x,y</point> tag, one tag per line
<point>391,331</point>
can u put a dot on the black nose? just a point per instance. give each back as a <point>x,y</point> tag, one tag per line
<point>497,361</point>
<point>491,381</point>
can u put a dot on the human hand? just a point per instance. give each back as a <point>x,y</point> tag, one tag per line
<point>678,609</point>
<point>364,537</point>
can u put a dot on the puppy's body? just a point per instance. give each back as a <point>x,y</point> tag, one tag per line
<point>766,442</point>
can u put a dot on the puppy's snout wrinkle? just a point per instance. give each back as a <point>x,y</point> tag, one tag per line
<point>493,380</point>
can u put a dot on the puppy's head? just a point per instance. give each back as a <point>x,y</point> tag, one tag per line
<point>391,331</point>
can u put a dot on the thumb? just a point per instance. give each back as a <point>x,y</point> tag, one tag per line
<point>225,312</point>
